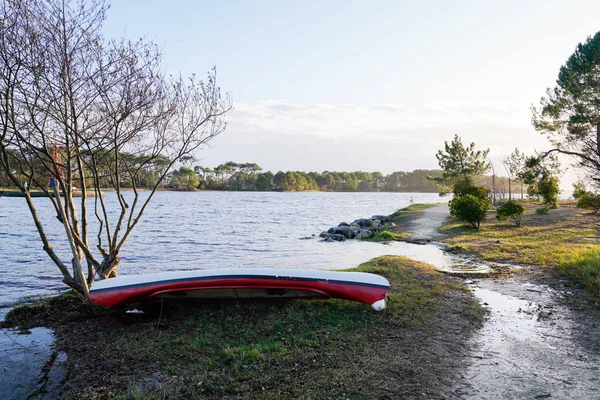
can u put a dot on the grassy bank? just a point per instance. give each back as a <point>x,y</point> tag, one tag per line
<point>565,241</point>
<point>271,350</point>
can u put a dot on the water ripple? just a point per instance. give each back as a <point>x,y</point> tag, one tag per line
<point>203,230</point>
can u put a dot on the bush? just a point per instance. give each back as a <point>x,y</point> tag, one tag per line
<point>589,201</point>
<point>464,188</point>
<point>470,209</point>
<point>542,210</point>
<point>510,209</point>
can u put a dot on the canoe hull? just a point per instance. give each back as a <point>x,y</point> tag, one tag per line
<point>243,284</point>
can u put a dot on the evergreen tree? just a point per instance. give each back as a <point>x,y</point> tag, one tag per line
<point>569,115</point>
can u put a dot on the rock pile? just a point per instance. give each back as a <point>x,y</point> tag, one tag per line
<point>359,229</point>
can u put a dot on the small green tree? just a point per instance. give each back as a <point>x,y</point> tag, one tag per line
<point>510,210</point>
<point>470,209</point>
<point>539,173</point>
<point>459,164</point>
<point>548,188</point>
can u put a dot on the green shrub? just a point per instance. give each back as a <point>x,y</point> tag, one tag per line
<point>470,209</point>
<point>542,210</point>
<point>589,201</point>
<point>464,188</point>
<point>510,210</point>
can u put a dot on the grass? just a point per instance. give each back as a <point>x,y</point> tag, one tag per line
<point>583,268</point>
<point>277,350</point>
<point>563,240</point>
<point>542,239</point>
<point>385,236</point>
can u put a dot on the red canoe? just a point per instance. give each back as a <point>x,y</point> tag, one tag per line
<point>243,284</point>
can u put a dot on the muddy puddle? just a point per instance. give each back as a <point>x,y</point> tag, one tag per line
<point>526,348</point>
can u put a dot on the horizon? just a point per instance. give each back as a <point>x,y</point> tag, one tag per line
<point>378,87</point>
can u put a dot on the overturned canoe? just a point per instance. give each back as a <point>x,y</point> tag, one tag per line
<point>243,284</point>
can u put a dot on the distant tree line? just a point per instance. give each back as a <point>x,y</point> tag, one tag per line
<point>251,177</point>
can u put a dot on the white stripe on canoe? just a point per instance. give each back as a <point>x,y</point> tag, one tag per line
<point>353,277</point>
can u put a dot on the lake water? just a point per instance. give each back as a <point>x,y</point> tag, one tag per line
<point>209,230</point>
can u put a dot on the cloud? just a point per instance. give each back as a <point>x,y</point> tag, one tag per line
<point>374,137</point>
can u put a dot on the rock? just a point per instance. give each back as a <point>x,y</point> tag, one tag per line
<point>381,218</point>
<point>363,223</point>
<point>376,225</point>
<point>364,234</point>
<point>345,230</point>
<point>360,228</point>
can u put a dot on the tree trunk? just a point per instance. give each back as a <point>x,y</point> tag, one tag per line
<point>108,268</point>
<point>598,138</point>
<point>494,190</point>
<point>521,190</point>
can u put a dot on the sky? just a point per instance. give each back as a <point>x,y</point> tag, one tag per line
<point>366,85</point>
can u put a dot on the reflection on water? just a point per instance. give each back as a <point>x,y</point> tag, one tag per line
<point>212,230</point>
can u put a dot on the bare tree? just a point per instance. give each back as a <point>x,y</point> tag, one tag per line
<point>77,111</point>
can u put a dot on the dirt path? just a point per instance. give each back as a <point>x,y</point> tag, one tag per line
<point>534,344</point>
<point>426,227</point>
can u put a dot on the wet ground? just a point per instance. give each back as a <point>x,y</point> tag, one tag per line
<point>529,346</point>
<point>426,228</point>
<point>29,366</point>
<point>534,343</point>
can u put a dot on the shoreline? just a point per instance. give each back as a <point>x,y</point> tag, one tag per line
<point>264,349</point>
<point>296,345</point>
<point>187,327</point>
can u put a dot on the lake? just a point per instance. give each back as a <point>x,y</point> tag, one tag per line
<point>191,230</point>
